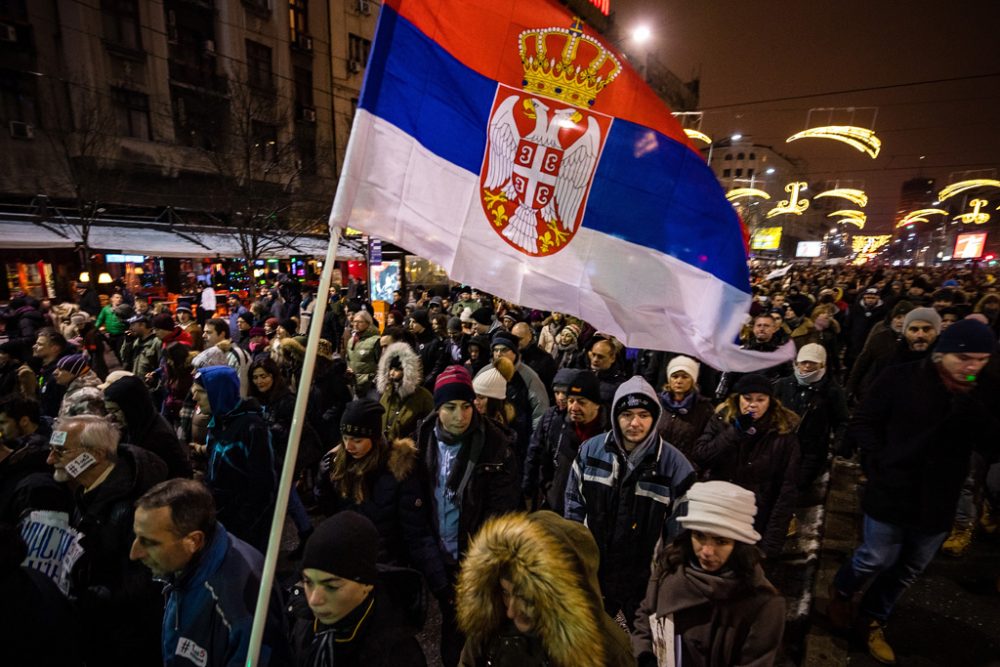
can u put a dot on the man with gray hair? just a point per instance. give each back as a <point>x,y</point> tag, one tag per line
<point>117,598</point>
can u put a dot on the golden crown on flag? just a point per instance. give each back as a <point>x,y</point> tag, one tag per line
<point>580,70</point>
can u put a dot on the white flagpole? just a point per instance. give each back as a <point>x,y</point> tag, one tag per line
<point>288,470</point>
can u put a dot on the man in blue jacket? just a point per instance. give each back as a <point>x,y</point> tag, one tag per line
<point>240,473</point>
<point>623,485</point>
<point>212,580</point>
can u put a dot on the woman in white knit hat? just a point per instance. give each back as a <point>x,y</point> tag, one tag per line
<point>708,601</point>
<point>490,386</point>
<point>685,410</point>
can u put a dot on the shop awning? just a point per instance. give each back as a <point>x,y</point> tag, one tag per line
<point>159,240</point>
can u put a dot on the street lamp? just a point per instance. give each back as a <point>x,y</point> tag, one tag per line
<point>641,34</point>
<point>736,137</point>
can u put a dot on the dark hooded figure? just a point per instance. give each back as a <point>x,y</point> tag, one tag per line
<point>130,405</point>
<point>240,473</point>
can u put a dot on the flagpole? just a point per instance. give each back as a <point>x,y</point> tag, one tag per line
<point>288,469</point>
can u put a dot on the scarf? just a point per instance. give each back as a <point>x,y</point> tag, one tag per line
<point>681,407</point>
<point>809,378</point>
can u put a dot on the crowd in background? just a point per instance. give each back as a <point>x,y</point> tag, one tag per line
<point>565,499</point>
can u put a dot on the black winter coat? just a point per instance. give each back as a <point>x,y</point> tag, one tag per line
<point>916,438</point>
<point>486,477</point>
<point>681,428</point>
<point>26,484</point>
<point>859,324</point>
<point>433,357</point>
<point>765,462</point>
<point>32,606</point>
<point>117,597</point>
<point>541,362</point>
<point>822,411</point>
<point>394,500</point>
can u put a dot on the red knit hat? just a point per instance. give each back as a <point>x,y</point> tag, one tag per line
<point>454,384</point>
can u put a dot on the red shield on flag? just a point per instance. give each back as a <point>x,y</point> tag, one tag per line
<point>538,168</point>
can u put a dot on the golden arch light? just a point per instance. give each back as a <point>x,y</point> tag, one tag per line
<point>849,216</point>
<point>976,216</point>
<point>965,186</point>
<point>859,138</point>
<point>736,193</point>
<point>856,197</point>
<point>793,204</point>
<point>920,215</point>
<point>869,244</point>
<point>697,135</point>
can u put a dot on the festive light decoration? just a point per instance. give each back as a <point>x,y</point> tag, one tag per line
<point>920,215</point>
<point>736,193</point>
<point>869,244</point>
<point>853,217</point>
<point>793,204</point>
<point>856,197</point>
<point>964,186</point>
<point>975,216</point>
<point>860,138</point>
<point>766,238</point>
<point>698,136</point>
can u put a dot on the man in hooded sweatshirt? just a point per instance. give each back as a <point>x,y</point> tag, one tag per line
<point>623,485</point>
<point>240,472</point>
<point>130,406</point>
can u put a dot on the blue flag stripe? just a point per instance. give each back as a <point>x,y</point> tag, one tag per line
<point>648,189</point>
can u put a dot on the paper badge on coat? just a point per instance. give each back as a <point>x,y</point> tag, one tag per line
<point>544,141</point>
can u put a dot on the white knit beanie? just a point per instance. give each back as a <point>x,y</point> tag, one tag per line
<point>722,509</point>
<point>812,352</point>
<point>682,363</point>
<point>490,383</point>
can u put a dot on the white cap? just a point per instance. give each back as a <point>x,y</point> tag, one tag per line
<point>466,316</point>
<point>722,509</point>
<point>812,352</point>
<point>490,383</point>
<point>682,363</point>
<point>114,376</point>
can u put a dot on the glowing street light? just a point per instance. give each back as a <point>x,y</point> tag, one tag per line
<point>736,137</point>
<point>641,34</point>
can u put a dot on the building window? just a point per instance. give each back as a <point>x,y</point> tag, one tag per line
<point>753,156</point>
<point>121,23</point>
<point>739,156</point>
<point>265,141</point>
<point>303,87</point>
<point>358,48</point>
<point>749,173</point>
<point>132,112</point>
<point>739,172</point>
<point>259,72</point>
<point>726,173</point>
<point>17,97</point>
<point>298,19</point>
<point>729,156</point>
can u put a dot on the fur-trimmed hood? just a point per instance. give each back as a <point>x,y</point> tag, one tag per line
<point>403,456</point>
<point>413,373</point>
<point>552,563</point>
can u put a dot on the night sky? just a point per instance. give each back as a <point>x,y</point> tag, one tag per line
<point>749,52</point>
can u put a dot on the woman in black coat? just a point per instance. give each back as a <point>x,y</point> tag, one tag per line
<point>685,411</point>
<point>752,442</point>
<point>381,481</point>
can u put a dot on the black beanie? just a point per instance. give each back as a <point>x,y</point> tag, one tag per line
<point>483,316</point>
<point>422,318</point>
<point>345,545</point>
<point>753,383</point>
<point>585,384</point>
<point>362,419</point>
<point>966,336</point>
<point>508,340</point>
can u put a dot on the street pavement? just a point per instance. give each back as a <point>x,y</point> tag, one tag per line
<point>950,617</point>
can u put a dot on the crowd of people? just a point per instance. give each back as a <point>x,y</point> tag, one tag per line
<point>566,500</point>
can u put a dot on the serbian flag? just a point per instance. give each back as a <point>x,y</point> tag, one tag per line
<point>506,141</point>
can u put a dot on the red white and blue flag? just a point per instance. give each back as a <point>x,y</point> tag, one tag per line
<point>507,142</point>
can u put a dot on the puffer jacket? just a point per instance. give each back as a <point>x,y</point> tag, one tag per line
<point>241,470</point>
<point>552,562</point>
<point>391,495</point>
<point>405,405</point>
<point>762,457</point>
<point>625,498</point>
<point>114,594</point>
<point>210,607</point>
<point>362,359</point>
<point>717,620</point>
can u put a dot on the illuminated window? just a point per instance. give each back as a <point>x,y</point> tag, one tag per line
<point>298,19</point>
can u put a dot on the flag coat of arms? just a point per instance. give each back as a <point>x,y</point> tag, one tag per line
<point>506,141</point>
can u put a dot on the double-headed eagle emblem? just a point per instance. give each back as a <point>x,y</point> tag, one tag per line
<point>544,141</point>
